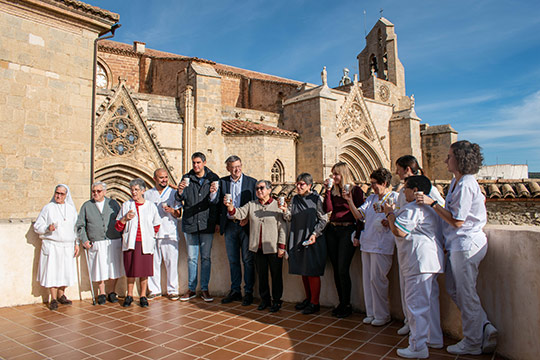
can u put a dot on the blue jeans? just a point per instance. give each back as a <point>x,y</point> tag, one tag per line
<point>196,242</point>
<point>236,241</point>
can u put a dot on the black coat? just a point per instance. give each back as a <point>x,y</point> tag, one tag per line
<point>247,193</point>
<point>199,215</point>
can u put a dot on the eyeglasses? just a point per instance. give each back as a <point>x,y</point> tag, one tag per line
<point>97,191</point>
<point>60,194</point>
<point>261,188</point>
<point>301,184</point>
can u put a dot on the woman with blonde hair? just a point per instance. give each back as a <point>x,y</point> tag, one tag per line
<point>339,230</point>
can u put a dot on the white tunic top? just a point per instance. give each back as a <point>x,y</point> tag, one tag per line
<point>434,194</point>
<point>466,203</point>
<point>376,238</point>
<point>64,216</point>
<point>168,228</point>
<point>149,218</point>
<point>419,252</point>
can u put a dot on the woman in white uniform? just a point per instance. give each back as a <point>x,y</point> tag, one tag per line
<point>464,217</point>
<point>377,246</point>
<point>420,258</point>
<point>406,166</point>
<point>55,225</point>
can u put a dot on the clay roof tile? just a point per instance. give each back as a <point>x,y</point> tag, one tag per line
<point>243,127</point>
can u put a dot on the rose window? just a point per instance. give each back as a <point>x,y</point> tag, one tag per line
<point>120,135</point>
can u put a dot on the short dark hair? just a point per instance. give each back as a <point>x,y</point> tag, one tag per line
<point>232,158</point>
<point>382,176</point>
<point>468,156</point>
<point>199,155</point>
<point>267,184</point>
<point>305,177</point>
<point>409,161</point>
<point>421,182</point>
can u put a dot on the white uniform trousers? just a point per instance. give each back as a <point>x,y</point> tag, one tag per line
<point>461,272</point>
<point>402,294</point>
<point>375,268</point>
<point>166,251</point>
<point>422,311</point>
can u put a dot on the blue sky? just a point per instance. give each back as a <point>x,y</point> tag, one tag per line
<point>472,64</point>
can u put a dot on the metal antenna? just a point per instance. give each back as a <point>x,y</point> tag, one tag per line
<point>381,11</point>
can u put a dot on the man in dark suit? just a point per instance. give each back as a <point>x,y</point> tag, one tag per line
<point>242,190</point>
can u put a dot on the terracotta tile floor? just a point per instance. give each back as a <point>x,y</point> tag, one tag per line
<point>193,330</point>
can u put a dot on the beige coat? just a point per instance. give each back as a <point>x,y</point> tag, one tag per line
<point>270,218</point>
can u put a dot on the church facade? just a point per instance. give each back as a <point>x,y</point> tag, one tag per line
<point>154,109</point>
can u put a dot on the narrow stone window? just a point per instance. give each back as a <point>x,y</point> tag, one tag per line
<point>278,172</point>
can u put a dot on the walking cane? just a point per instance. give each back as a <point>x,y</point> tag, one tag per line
<point>90,277</point>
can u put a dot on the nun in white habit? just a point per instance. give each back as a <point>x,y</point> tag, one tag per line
<point>55,225</point>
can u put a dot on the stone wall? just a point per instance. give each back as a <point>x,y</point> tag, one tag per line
<point>45,100</point>
<point>125,66</point>
<point>258,163</point>
<point>514,212</point>
<point>436,141</point>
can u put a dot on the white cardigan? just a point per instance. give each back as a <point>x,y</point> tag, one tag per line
<point>149,218</point>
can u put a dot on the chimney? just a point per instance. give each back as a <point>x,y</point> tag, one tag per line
<point>139,47</point>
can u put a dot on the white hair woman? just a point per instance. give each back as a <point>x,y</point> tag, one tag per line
<point>55,225</point>
<point>139,221</point>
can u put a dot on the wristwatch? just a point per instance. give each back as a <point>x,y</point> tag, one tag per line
<point>433,203</point>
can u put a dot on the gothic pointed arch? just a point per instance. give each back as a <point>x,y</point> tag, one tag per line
<point>125,147</point>
<point>360,143</point>
<point>278,172</point>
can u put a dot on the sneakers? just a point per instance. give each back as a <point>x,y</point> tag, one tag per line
<point>404,330</point>
<point>188,295</point>
<point>64,300</point>
<point>302,305</point>
<point>311,309</point>
<point>127,301</point>
<point>461,349</point>
<point>205,295</point>
<point>112,297</point>
<point>380,322</point>
<point>101,299</point>
<point>53,305</point>
<point>411,354</point>
<point>233,296</point>
<point>173,297</point>
<point>143,302</point>
<point>247,300</point>
<point>435,346</point>
<point>489,340</point>
<point>152,296</point>
<point>368,320</point>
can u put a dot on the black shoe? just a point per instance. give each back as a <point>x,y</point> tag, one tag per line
<point>302,305</point>
<point>127,301</point>
<point>101,299</point>
<point>112,297</point>
<point>143,301</point>
<point>276,305</point>
<point>337,310</point>
<point>247,300</point>
<point>311,309</point>
<point>233,296</point>
<point>263,305</point>
<point>64,300</point>
<point>346,311</point>
<point>53,305</point>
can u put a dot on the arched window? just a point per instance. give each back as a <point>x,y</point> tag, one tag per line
<point>278,172</point>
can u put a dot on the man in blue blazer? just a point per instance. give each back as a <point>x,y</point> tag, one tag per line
<point>242,190</point>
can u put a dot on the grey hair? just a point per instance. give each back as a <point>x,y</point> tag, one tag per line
<point>99,183</point>
<point>138,182</point>
<point>267,184</point>
<point>232,159</point>
<point>305,177</point>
